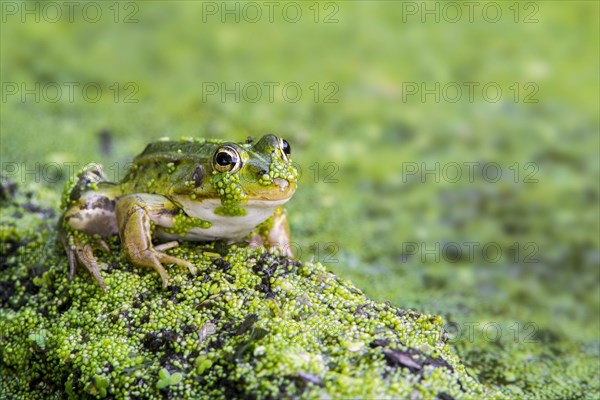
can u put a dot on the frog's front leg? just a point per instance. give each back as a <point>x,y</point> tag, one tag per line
<point>135,213</point>
<point>279,234</point>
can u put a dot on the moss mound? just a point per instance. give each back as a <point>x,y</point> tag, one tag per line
<point>249,324</point>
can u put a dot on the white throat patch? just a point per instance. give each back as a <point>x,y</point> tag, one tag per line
<point>223,227</point>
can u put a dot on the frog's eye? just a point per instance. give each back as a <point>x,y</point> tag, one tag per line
<point>286,149</point>
<point>226,158</point>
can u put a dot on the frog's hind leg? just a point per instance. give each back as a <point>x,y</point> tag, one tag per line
<point>79,248</point>
<point>80,251</point>
<point>134,216</point>
<point>89,217</point>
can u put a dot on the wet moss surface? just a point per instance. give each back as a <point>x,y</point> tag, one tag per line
<point>249,324</point>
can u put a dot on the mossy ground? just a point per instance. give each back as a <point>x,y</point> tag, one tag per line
<point>249,324</point>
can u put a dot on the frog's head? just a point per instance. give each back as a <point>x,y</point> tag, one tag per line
<point>241,175</point>
<point>263,170</point>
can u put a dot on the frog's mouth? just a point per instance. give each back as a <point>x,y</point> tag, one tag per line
<point>279,189</point>
<point>282,183</point>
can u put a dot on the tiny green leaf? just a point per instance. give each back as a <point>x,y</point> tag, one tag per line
<point>164,374</point>
<point>175,378</point>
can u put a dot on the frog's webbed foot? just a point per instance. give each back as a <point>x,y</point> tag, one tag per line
<point>85,257</point>
<point>83,254</point>
<point>134,215</point>
<point>154,259</point>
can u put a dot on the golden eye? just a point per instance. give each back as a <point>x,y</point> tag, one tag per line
<point>226,158</point>
<point>285,149</point>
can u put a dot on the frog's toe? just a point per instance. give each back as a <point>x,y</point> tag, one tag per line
<point>155,260</point>
<point>165,258</point>
<point>85,257</point>
<point>150,259</point>
<point>100,244</point>
<point>72,262</point>
<point>164,276</point>
<point>166,246</point>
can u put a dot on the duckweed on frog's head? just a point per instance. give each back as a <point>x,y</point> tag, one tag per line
<point>235,173</point>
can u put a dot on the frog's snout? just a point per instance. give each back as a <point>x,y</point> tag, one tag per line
<point>282,183</point>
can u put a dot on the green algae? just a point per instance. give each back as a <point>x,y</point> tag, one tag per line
<point>249,324</point>
<point>182,223</point>
<point>230,192</point>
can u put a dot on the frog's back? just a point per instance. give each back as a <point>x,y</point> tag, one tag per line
<point>164,163</point>
<point>176,150</point>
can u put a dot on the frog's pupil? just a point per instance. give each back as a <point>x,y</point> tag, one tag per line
<point>224,159</point>
<point>286,147</point>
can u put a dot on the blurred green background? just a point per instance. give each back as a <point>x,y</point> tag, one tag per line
<point>508,253</point>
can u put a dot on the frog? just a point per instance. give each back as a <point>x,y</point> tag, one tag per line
<point>191,189</point>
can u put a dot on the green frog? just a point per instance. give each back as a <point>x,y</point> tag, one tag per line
<point>189,189</point>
